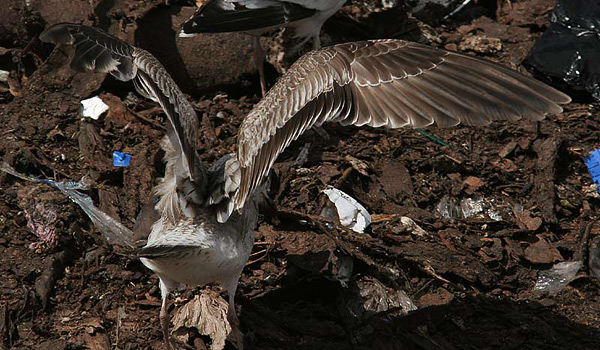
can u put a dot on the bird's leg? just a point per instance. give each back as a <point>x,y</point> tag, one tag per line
<point>317,40</point>
<point>301,44</point>
<point>232,318</point>
<point>500,5</point>
<point>259,58</point>
<point>164,313</point>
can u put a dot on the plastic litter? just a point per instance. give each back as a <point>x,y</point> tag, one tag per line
<point>113,231</point>
<point>593,164</point>
<point>449,208</point>
<point>4,76</point>
<point>557,278</point>
<point>569,51</point>
<point>351,213</point>
<point>433,138</point>
<point>93,107</point>
<point>368,297</point>
<point>121,159</point>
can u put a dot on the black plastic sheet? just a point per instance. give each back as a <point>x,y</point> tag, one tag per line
<point>568,53</point>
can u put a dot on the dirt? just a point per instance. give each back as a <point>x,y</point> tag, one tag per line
<point>471,280</point>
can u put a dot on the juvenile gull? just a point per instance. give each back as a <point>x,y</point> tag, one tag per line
<point>206,216</point>
<point>256,17</point>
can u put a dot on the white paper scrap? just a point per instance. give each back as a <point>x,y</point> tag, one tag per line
<point>93,107</point>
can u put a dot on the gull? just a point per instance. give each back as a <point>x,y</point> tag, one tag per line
<point>256,17</point>
<point>206,217</point>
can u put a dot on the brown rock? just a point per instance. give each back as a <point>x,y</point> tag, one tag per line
<point>58,11</point>
<point>481,44</point>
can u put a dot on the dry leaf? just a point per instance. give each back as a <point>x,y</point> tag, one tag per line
<point>208,314</point>
<point>529,222</point>
<point>473,182</point>
<point>358,165</point>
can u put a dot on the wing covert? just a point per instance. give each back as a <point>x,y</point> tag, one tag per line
<point>391,83</point>
<point>101,52</point>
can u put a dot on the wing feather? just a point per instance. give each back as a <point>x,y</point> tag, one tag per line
<point>98,51</point>
<point>221,16</point>
<point>390,83</point>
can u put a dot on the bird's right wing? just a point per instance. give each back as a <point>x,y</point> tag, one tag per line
<point>221,16</point>
<point>391,83</point>
<point>98,51</point>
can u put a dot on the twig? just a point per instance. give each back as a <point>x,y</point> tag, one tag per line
<point>146,119</point>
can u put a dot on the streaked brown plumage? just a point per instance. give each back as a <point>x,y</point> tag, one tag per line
<point>206,216</point>
<point>391,83</point>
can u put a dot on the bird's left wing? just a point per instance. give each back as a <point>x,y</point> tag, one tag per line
<point>98,51</point>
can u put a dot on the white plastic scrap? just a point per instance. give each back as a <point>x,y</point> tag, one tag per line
<point>351,213</point>
<point>93,107</point>
<point>4,76</point>
<point>557,278</point>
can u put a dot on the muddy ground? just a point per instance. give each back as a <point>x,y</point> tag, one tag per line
<point>471,279</point>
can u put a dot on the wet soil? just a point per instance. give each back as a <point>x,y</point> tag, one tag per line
<point>472,279</point>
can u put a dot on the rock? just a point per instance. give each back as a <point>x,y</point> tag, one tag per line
<point>58,11</point>
<point>481,44</point>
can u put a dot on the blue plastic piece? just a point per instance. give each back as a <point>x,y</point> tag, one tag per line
<point>593,164</point>
<point>121,159</point>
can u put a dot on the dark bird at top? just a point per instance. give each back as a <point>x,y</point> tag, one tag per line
<point>256,17</point>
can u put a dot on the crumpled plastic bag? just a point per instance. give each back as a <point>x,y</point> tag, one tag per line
<point>558,277</point>
<point>367,297</point>
<point>569,51</point>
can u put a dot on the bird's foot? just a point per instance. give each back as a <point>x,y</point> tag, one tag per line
<point>236,337</point>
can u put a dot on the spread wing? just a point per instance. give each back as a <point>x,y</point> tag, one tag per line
<point>219,16</point>
<point>389,83</point>
<point>98,51</point>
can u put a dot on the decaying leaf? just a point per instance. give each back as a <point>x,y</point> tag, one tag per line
<point>207,313</point>
<point>358,165</point>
